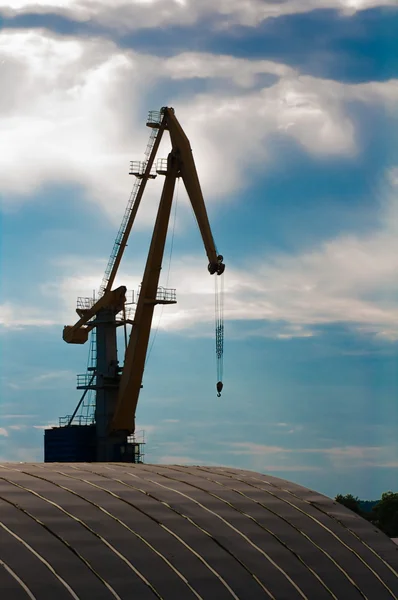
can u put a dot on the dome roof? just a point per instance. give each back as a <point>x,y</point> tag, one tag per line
<point>102,531</point>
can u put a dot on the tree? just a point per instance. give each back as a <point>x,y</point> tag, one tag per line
<point>349,501</point>
<point>383,515</point>
<point>386,514</point>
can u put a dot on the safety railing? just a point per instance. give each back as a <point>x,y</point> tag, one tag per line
<point>130,297</point>
<point>85,303</point>
<point>77,420</point>
<point>161,166</point>
<point>138,169</point>
<point>127,315</point>
<point>85,381</point>
<point>166,294</point>
<point>154,118</point>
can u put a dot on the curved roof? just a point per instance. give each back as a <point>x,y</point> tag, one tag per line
<point>103,531</point>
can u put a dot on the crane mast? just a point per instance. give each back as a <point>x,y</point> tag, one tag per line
<point>117,388</point>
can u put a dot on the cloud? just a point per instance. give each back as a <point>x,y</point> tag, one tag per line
<point>59,114</point>
<point>162,13</point>
<point>343,452</point>
<point>75,97</point>
<point>276,458</point>
<point>66,115</point>
<point>17,416</point>
<point>252,449</point>
<point>184,460</point>
<point>14,316</point>
<point>48,380</point>
<point>178,460</point>
<point>350,280</point>
<point>393,464</point>
<point>22,454</point>
<point>3,431</point>
<point>289,468</point>
<point>146,429</point>
<point>335,457</point>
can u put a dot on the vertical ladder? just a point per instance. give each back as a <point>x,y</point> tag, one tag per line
<point>119,237</point>
<point>91,367</point>
<point>127,214</point>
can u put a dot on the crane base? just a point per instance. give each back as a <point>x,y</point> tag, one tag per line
<point>79,443</point>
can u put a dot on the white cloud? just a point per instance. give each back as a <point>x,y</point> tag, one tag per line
<point>185,460</point>
<point>350,452</point>
<point>252,449</point>
<point>17,416</point>
<point>14,316</point>
<point>279,458</point>
<point>145,430</point>
<point>20,454</point>
<point>160,13</point>
<point>350,279</point>
<point>73,111</point>
<point>243,72</point>
<point>355,452</point>
<point>263,458</point>
<point>58,118</point>
<point>49,380</point>
<point>177,460</point>
<point>67,117</point>
<point>288,468</point>
<point>3,431</point>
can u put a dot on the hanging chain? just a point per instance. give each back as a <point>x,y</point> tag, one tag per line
<point>219,314</point>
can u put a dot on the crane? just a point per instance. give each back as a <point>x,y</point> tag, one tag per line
<point>118,388</point>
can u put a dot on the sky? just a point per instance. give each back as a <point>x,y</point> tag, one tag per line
<point>290,108</point>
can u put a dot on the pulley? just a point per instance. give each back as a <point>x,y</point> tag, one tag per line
<point>219,387</point>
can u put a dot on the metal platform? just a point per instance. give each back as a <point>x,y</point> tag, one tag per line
<point>106,531</point>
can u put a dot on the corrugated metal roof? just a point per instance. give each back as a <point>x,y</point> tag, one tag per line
<point>102,531</point>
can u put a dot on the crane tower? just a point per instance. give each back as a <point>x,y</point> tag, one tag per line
<point>108,434</point>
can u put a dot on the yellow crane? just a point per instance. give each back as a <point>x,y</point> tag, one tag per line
<point>118,389</point>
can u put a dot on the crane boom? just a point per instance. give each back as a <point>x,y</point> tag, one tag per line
<point>134,361</point>
<point>190,178</point>
<point>180,163</point>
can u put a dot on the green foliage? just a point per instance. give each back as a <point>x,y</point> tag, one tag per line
<point>383,514</point>
<point>349,501</point>
<point>386,513</point>
<point>367,506</point>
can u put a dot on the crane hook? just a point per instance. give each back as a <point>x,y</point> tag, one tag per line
<point>219,387</point>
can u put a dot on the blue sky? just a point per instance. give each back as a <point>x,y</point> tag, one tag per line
<point>291,112</point>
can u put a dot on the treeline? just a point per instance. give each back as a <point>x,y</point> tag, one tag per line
<point>382,513</point>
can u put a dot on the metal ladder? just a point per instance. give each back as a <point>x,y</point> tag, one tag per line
<point>88,407</point>
<point>126,216</point>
